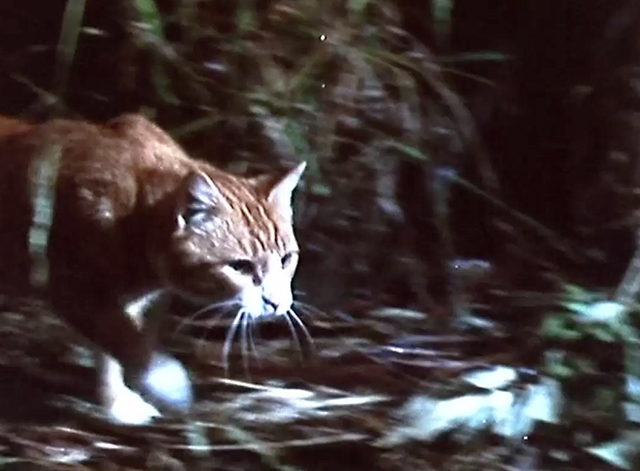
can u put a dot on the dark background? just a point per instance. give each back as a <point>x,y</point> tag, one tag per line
<point>556,122</point>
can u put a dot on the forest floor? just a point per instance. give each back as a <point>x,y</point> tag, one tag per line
<point>379,391</point>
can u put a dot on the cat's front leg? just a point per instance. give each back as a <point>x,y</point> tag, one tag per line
<point>164,382</point>
<point>163,386</point>
<point>136,382</point>
<point>122,404</point>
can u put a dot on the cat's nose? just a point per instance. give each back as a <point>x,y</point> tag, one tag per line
<point>271,307</point>
<point>270,304</point>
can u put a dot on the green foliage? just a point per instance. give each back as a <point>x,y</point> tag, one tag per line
<point>152,21</point>
<point>588,348</point>
<point>67,45</point>
<point>246,15</point>
<point>442,11</point>
<point>150,15</point>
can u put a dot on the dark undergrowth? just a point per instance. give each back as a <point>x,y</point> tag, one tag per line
<point>466,213</point>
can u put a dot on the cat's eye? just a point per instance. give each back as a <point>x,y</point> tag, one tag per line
<point>246,267</point>
<point>195,218</point>
<point>288,258</point>
<point>190,215</point>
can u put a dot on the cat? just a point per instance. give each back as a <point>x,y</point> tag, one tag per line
<point>135,219</point>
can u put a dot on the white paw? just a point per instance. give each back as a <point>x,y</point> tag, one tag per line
<point>130,409</point>
<point>167,382</point>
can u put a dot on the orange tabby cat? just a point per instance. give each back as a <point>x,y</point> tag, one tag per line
<point>136,218</point>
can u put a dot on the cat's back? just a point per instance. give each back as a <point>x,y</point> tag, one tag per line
<point>101,169</point>
<point>10,126</point>
<point>130,140</point>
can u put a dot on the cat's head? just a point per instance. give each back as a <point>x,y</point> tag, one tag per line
<point>233,241</point>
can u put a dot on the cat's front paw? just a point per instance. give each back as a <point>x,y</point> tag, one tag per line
<point>166,384</point>
<point>129,408</point>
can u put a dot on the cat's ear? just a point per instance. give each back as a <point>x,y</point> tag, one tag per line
<point>281,189</point>
<point>199,198</point>
<point>201,191</point>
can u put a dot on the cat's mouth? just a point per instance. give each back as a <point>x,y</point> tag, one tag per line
<point>243,327</point>
<point>243,312</point>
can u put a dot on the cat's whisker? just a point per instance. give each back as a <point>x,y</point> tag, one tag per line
<point>309,308</point>
<point>210,307</point>
<point>244,344</point>
<point>202,339</point>
<point>214,321</point>
<point>190,318</point>
<point>253,325</point>
<point>294,333</point>
<point>295,318</point>
<point>205,334</point>
<point>228,340</point>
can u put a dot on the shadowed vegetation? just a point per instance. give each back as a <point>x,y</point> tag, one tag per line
<point>468,207</point>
